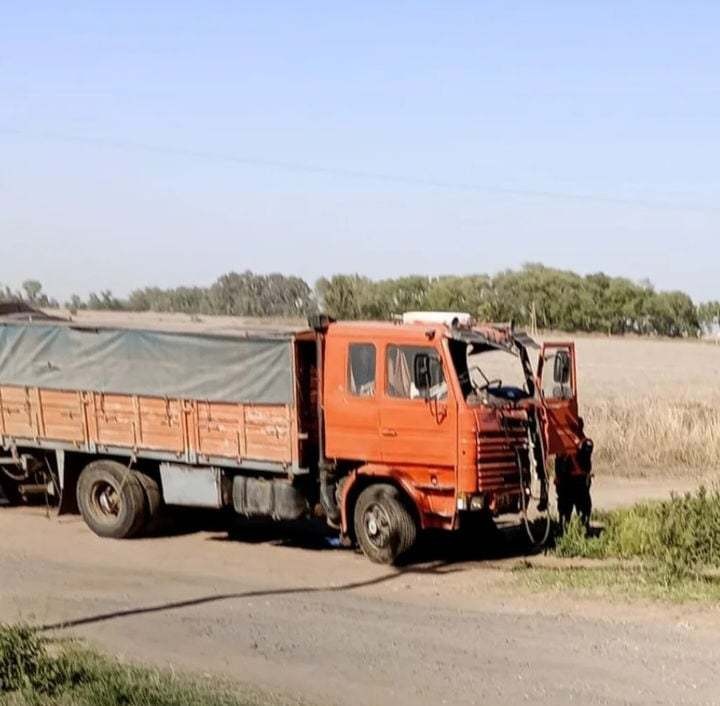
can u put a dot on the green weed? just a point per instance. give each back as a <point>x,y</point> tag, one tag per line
<point>621,581</point>
<point>667,549</point>
<point>36,672</point>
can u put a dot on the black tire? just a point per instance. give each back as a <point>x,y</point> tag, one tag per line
<point>384,528</point>
<point>111,499</point>
<point>156,518</point>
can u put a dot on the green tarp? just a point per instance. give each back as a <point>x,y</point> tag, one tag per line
<point>161,364</point>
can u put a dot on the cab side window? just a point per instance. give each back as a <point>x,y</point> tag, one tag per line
<point>361,369</point>
<point>400,366</point>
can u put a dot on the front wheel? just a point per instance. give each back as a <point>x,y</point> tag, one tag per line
<point>111,499</point>
<point>384,528</point>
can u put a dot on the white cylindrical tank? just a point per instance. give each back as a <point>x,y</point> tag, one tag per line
<point>461,318</point>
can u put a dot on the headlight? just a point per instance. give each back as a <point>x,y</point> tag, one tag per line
<point>477,502</point>
<point>471,502</point>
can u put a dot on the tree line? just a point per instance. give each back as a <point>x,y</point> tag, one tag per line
<point>533,296</point>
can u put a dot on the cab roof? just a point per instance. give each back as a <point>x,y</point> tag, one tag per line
<point>481,338</point>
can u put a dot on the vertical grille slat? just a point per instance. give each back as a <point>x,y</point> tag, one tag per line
<point>497,453</point>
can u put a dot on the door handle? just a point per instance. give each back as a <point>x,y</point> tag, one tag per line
<point>388,432</point>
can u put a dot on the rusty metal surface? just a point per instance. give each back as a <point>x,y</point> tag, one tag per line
<point>187,429</point>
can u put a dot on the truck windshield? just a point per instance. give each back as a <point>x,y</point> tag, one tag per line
<point>488,376</point>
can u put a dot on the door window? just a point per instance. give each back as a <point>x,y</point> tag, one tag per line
<point>361,369</point>
<point>400,364</point>
<point>557,379</point>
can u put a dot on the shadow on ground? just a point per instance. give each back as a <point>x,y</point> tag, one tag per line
<point>436,569</point>
<point>438,554</point>
<point>484,541</point>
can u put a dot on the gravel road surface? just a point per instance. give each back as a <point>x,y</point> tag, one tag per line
<point>282,610</point>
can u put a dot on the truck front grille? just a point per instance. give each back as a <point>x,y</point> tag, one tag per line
<point>498,450</point>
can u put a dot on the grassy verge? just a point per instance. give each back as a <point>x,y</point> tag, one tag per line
<point>37,672</point>
<point>668,550</point>
<point>621,582</point>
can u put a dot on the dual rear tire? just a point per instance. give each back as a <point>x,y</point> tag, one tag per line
<point>115,501</point>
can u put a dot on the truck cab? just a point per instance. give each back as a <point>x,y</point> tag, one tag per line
<point>418,434</point>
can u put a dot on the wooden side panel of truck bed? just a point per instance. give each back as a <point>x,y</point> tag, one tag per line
<point>187,429</point>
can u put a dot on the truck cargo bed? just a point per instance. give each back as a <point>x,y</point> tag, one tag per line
<point>196,398</point>
<point>197,432</point>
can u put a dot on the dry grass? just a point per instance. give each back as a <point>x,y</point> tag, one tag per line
<point>633,436</point>
<point>655,369</point>
<point>651,406</point>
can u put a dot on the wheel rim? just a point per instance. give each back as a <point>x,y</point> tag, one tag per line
<point>105,500</point>
<point>377,525</point>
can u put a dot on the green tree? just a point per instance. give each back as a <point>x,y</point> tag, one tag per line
<point>105,301</point>
<point>709,316</point>
<point>33,290</point>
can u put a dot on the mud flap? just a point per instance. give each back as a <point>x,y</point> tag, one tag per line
<point>68,503</point>
<point>67,480</point>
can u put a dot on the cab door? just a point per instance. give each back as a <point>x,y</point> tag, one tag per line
<point>417,427</point>
<point>351,399</point>
<point>557,377</point>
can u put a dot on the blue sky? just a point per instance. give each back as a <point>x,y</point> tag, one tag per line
<point>168,142</point>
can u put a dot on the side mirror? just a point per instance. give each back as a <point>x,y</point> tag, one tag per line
<point>421,372</point>
<point>561,371</point>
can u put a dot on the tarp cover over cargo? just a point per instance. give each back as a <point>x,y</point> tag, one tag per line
<point>252,368</point>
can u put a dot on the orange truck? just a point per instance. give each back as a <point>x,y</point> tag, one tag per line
<point>385,429</point>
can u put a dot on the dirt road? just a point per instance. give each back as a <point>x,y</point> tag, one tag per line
<point>326,626</point>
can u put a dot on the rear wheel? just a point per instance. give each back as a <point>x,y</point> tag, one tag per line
<point>157,515</point>
<point>111,499</point>
<point>384,528</point>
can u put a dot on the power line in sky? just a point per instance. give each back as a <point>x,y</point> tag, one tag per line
<point>404,180</point>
